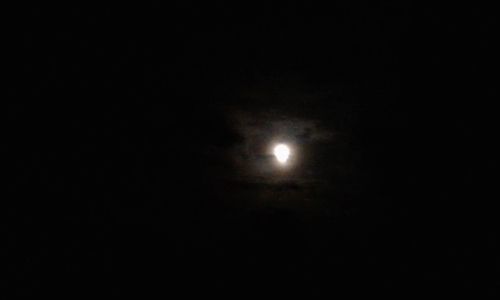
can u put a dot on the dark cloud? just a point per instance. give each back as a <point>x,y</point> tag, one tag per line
<point>172,186</point>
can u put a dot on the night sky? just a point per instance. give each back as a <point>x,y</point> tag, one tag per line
<point>138,150</point>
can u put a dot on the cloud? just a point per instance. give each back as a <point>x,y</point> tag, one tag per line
<point>287,112</point>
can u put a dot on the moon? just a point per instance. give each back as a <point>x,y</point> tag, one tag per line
<point>282,153</point>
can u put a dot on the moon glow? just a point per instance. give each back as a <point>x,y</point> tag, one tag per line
<point>282,153</point>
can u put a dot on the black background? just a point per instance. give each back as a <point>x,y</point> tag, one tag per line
<point>110,107</point>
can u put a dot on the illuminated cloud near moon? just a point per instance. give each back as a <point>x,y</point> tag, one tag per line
<point>273,113</point>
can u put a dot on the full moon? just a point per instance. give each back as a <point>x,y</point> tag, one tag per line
<point>282,152</point>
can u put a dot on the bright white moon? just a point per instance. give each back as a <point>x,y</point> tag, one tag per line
<point>282,152</point>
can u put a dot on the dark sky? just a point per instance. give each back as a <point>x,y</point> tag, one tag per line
<point>137,146</point>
